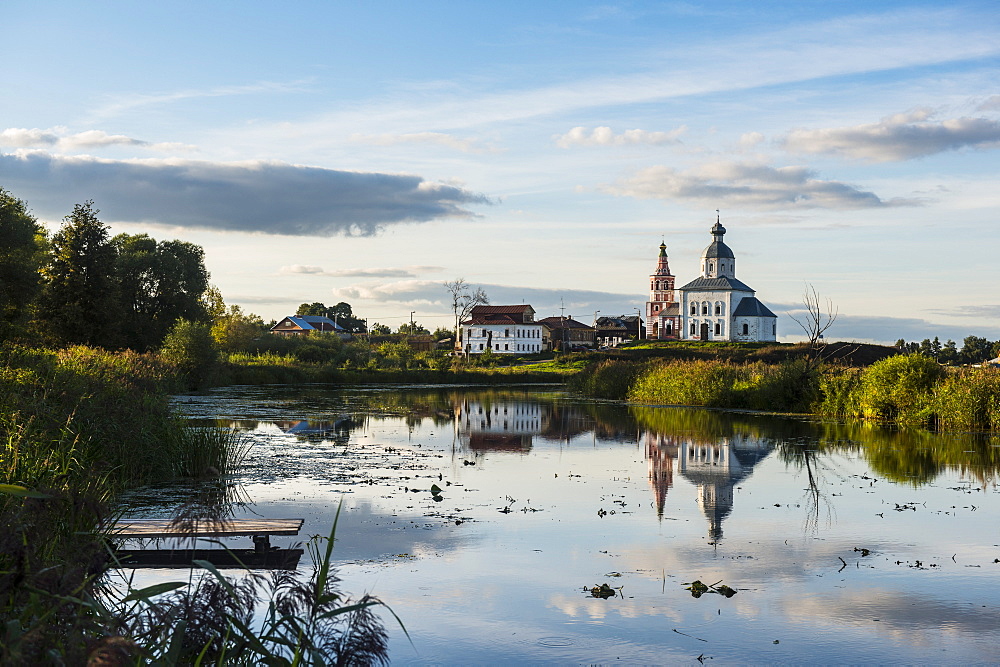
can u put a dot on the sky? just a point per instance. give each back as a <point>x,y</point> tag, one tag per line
<point>370,152</point>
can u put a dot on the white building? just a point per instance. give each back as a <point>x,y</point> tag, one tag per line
<point>717,306</point>
<point>503,329</point>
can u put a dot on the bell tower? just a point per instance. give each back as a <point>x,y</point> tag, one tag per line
<point>662,314</point>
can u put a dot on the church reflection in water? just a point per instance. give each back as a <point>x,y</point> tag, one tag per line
<point>714,464</point>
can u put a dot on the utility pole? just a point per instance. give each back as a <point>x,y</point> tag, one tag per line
<point>638,317</point>
<point>411,321</point>
<point>595,334</point>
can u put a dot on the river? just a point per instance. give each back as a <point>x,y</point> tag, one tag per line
<point>844,543</point>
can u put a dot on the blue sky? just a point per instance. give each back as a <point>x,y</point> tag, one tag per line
<point>368,152</point>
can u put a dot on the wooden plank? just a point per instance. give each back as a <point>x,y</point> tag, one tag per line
<point>152,528</point>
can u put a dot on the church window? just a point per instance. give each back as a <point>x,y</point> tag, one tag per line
<point>718,308</point>
<point>704,308</point>
<point>718,329</point>
<point>694,309</point>
<point>711,267</point>
<point>669,330</point>
<point>774,328</point>
<point>694,328</point>
<point>506,333</point>
<point>746,329</point>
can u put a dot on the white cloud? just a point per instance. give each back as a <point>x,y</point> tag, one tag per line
<point>59,138</point>
<point>604,136</point>
<point>425,138</point>
<point>267,197</point>
<point>751,139</point>
<point>750,186</point>
<point>388,272</point>
<point>898,137</point>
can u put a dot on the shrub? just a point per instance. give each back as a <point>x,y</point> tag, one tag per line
<point>189,346</point>
<point>899,389</point>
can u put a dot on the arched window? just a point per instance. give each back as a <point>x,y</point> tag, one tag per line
<point>669,330</point>
<point>694,328</point>
<point>746,329</point>
<point>718,308</point>
<point>704,308</point>
<point>718,329</point>
<point>694,309</point>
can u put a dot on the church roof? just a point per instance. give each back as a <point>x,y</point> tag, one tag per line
<point>718,250</point>
<point>720,284</point>
<point>750,306</point>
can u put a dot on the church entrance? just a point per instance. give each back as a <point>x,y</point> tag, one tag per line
<point>704,331</point>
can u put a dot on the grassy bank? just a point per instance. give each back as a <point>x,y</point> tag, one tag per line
<point>903,389</point>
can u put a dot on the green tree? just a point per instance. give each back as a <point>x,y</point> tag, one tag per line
<point>380,330</point>
<point>949,353</point>
<point>414,329</point>
<point>975,350</point>
<point>22,241</point>
<point>236,330</point>
<point>316,308</point>
<point>158,283</point>
<point>189,346</point>
<point>343,315</point>
<point>78,301</point>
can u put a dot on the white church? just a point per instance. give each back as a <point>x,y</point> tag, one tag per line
<point>714,306</point>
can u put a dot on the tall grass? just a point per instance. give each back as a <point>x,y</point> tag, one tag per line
<point>209,619</point>
<point>76,427</point>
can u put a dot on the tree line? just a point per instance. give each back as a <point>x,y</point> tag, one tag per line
<point>84,286</point>
<point>975,350</point>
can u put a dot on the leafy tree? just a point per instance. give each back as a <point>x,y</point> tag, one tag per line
<point>975,350</point>
<point>213,304</point>
<point>236,330</point>
<point>158,283</point>
<point>380,330</point>
<point>189,346</point>
<point>22,241</point>
<point>414,329</point>
<point>316,309</point>
<point>441,333</point>
<point>949,353</point>
<point>78,298</point>
<point>343,315</point>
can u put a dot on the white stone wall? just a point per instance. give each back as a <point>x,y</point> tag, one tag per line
<point>762,329</point>
<point>506,339</point>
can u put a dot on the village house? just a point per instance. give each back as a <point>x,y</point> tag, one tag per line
<point>613,331</point>
<point>300,325</point>
<point>502,329</point>
<point>565,333</point>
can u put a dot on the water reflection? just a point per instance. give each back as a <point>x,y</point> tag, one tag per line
<point>689,494</point>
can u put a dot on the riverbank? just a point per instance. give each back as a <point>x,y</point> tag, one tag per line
<point>910,390</point>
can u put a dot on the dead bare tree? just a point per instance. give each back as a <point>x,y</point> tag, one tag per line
<point>818,317</point>
<point>463,300</point>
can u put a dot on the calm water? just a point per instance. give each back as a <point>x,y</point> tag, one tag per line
<point>845,544</point>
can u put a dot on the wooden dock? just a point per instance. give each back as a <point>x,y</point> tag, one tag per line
<point>263,555</point>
